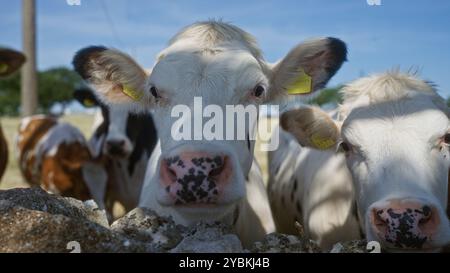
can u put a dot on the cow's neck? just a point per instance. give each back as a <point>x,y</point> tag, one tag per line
<point>126,185</point>
<point>145,141</point>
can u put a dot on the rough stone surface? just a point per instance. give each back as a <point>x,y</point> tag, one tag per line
<point>40,200</point>
<point>357,246</point>
<point>23,230</point>
<point>282,243</point>
<point>209,237</point>
<point>143,224</point>
<point>31,220</point>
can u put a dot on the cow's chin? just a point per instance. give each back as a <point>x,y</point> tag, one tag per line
<point>389,249</point>
<point>430,248</point>
<point>118,156</point>
<point>423,250</point>
<point>189,215</point>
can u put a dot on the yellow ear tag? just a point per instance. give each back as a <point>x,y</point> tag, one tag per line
<point>130,92</point>
<point>302,85</point>
<point>88,103</point>
<point>3,67</point>
<point>321,142</point>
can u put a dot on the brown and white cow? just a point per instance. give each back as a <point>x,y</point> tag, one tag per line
<point>393,131</point>
<point>57,157</point>
<point>194,179</point>
<point>10,62</point>
<point>3,153</point>
<point>124,142</point>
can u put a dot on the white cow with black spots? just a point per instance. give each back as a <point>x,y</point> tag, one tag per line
<point>215,180</point>
<point>393,132</point>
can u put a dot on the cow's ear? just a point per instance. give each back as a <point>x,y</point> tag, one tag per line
<point>312,127</point>
<point>308,67</point>
<point>115,76</point>
<point>10,61</point>
<point>86,97</point>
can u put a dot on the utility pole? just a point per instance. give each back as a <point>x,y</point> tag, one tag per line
<point>29,98</point>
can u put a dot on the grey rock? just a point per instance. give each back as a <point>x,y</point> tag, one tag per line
<point>282,243</point>
<point>39,200</point>
<point>209,238</point>
<point>143,224</point>
<point>31,220</point>
<point>356,246</point>
<point>23,230</point>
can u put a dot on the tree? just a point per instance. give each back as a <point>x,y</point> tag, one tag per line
<point>10,95</point>
<point>328,96</point>
<point>55,85</point>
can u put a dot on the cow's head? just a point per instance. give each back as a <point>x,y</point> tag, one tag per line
<point>61,165</point>
<point>395,132</point>
<point>222,65</point>
<point>117,135</point>
<point>10,61</point>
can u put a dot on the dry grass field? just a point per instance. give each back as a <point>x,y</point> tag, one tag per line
<point>12,177</point>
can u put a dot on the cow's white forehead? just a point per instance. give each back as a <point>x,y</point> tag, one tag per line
<point>382,88</point>
<point>415,118</point>
<point>226,75</point>
<point>387,86</point>
<point>212,60</point>
<point>57,135</point>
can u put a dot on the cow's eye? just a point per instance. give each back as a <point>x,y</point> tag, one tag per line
<point>345,147</point>
<point>154,92</point>
<point>258,91</point>
<point>446,139</point>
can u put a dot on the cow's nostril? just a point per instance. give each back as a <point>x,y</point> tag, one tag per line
<point>172,174</point>
<point>116,148</point>
<point>215,172</point>
<point>378,219</point>
<point>380,223</point>
<point>427,215</point>
<point>116,143</point>
<point>426,211</point>
<point>219,169</point>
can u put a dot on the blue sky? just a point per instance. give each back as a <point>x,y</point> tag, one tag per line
<point>399,33</point>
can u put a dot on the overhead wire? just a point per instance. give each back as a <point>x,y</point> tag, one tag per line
<point>111,24</point>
